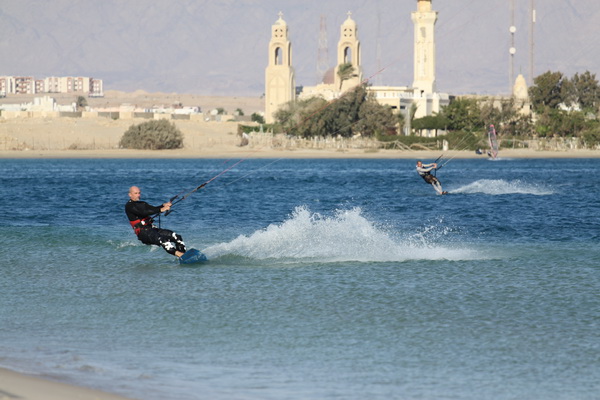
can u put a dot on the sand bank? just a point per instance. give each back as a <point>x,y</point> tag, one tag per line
<point>99,138</point>
<point>15,386</point>
<point>248,153</point>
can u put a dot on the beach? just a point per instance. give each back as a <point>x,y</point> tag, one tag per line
<point>16,386</point>
<point>204,135</point>
<point>99,138</point>
<point>234,152</point>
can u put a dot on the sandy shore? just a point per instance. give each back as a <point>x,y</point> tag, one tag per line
<point>47,137</point>
<point>15,386</point>
<point>99,138</point>
<point>247,153</point>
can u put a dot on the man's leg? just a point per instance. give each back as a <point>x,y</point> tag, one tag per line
<point>171,242</point>
<point>437,186</point>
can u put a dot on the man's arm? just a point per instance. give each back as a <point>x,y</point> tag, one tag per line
<point>428,167</point>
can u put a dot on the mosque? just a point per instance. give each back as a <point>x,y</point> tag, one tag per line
<point>280,85</point>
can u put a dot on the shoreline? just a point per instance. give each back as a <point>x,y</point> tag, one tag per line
<point>250,153</point>
<point>99,137</point>
<point>19,386</point>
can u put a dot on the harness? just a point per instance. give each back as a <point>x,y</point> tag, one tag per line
<point>138,224</point>
<point>427,177</point>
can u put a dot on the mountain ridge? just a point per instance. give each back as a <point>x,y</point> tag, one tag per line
<point>221,47</point>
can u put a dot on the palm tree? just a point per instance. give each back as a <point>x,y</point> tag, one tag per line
<point>345,72</point>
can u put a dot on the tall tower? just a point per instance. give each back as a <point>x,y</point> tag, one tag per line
<point>323,52</point>
<point>512,50</point>
<point>348,53</point>
<point>531,41</point>
<point>280,85</point>
<point>424,20</point>
<point>378,76</point>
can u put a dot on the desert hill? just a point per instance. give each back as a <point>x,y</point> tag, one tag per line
<point>220,47</point>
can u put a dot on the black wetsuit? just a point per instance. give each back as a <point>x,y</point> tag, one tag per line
<point>139,214</point>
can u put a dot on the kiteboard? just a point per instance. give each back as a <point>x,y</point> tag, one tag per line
<point>192,256</point>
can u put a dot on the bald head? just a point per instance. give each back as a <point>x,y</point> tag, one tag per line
<point>134,193</point>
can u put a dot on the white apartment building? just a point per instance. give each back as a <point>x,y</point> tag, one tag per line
<point>66,84</point>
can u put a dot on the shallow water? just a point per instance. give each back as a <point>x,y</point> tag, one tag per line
<point>327,279</point>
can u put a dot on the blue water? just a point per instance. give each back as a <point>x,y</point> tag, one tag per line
<point>327,279</point>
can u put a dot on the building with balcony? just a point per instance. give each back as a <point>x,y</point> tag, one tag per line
<point>66,84</point>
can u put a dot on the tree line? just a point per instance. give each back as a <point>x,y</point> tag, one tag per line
<point>558,106</point>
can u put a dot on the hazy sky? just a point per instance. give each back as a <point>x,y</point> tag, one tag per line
<point>220,46</point>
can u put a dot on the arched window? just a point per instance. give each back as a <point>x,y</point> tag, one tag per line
<point>278,56</point>
<point>348,55</point>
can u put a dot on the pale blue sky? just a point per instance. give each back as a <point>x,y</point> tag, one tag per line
<point>220,46</point>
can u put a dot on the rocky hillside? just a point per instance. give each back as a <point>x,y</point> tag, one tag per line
<point>220,47</point>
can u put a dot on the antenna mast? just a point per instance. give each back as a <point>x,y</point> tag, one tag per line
<point>378,76</point>
<point>531,41</point>
<point>323,52</point>
<point>512,50</point>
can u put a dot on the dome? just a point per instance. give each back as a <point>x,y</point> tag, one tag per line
<point>349,22</point>
<point>280,21</point>
<point>329,77</point>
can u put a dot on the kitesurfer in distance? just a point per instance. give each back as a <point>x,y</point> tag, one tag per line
<point>424,171</point>
<point>140,215</point>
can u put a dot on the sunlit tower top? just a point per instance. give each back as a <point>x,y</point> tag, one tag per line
<point>279,74</point>
<point>424,20</point>
<point>348,52</point>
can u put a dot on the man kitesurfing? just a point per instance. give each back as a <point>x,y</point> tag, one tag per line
<point>424,171</point>
<point>140,215</point>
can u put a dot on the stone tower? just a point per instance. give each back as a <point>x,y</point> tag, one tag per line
<point>520,91</point>
<point>348,52</point>
<point>424,20</point>
<point>521,95</point>
<point>280,85</point>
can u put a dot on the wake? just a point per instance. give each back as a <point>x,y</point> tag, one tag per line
<point>500,186</point>
<point>345,236</point>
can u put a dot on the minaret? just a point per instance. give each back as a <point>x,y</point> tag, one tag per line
<point>520,91</point>
<point>521,96</point>
<point>280,85</point>
<point>348,52</point>
<point>424,20</point>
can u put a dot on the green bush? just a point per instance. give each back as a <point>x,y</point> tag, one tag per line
<point>591,138</point>
<point>152,135</point>
<point>256,117</point>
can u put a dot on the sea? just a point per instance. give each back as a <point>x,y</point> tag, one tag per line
<point>327,279</point>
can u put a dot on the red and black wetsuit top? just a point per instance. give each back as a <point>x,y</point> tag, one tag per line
<point>138,213</point>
